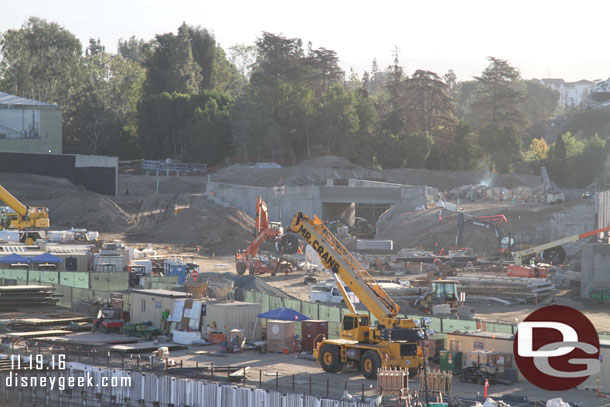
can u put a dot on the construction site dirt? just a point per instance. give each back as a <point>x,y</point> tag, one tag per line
<point>176,218</point>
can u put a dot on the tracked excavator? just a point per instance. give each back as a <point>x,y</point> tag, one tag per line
<point>393,342</point>
<point>264,230</point>
<point>28,220</point>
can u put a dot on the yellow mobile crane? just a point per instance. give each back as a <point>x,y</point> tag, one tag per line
<point>24,217</point>
<point>392,343</point>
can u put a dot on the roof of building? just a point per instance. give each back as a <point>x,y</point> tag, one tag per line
<point>552,81</point>
<point>12,100</point>
<point>161,293</point>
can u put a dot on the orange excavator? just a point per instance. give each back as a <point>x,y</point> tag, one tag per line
<point>264,231</point>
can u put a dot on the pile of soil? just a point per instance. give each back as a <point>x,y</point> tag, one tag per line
<point>432,229</point>
<point>214,229</point>
<point>248,283</point>
<point>318,170</point>
<point>70,206</point>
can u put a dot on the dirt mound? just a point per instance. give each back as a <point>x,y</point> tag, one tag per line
<point>247,283</point>
<point>313,171</point>
<point>433,229</point>
<point>143,185</point>
<point>446,180</point>
<point>215,229</point>
<point>70,206</point>
<point>318,170</point>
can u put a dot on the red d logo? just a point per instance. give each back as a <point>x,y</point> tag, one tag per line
<point>556,348</point>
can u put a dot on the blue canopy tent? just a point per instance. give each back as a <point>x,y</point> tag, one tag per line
<point>284,314</point>
<point>14,258</point>
<point>47,258</point>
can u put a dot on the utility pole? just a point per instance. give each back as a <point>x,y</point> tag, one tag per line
<point>424,337</point>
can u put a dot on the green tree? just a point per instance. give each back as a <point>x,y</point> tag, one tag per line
<point>499,96</point>
<point>590,163</point>
<point>365,138</point>
<point>323,70</point>
<point>463,149</point>
<point>100,116</point>
<point>189,127</point>
<point>404,151</point>
<point>502,147</point>
<point>134,49</point>
<point>171,66</point>
<point>41,60</point>
<point>431,106</point>
<point>338,121</point>
<point>539,105</point>
<point>588,122</point>
<point>243,57</point>
<point>279,57</point>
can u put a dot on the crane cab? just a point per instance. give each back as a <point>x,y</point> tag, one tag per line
<point>355,327</point>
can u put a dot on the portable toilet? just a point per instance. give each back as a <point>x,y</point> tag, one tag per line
<point>451,361</point>
<point>175,267</point>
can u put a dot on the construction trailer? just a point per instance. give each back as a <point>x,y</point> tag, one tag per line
<point>149,305</point>
<point>467,341</point>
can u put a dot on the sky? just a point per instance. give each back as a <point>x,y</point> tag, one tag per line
<point>559,39</point>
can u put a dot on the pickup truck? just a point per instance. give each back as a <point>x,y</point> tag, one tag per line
<point>326,293</point>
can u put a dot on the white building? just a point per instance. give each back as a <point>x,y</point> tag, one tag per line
<point>570,93</point>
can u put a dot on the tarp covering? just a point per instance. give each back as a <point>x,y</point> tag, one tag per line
<point>14,258</point>
<point>283,314</point>
<point>47,258</point>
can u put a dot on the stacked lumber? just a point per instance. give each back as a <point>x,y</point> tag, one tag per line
<point>26,296</point>
<point>505,290</point>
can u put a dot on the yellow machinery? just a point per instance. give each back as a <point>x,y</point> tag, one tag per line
<point>442,292</point>
<point>23,218</point>
<point>393,342</point>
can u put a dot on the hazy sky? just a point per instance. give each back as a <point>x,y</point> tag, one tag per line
<point>563,39</point>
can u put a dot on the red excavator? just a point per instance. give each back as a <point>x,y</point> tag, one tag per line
<point>266,231</point>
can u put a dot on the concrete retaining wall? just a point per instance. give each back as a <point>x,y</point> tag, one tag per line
<point>310,199</point>
<point>595,267</point>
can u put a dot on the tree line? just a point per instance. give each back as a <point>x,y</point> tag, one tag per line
<point>181,95</point>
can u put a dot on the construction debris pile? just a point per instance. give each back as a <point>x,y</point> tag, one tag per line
<point>521,194</point>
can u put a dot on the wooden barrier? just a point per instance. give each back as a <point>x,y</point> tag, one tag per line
<point>438,382</point>
<point>391,381</point>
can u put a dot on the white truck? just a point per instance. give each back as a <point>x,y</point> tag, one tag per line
<point>327,293</point>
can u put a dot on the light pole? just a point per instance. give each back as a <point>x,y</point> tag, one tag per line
<point>423,333</point>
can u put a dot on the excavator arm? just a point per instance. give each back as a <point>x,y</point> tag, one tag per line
<point>487,222</point>
<point>341,262</point>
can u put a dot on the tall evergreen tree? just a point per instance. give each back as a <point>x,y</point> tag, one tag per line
<point>499,96</point>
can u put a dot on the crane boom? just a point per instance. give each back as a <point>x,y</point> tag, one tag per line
<point>340,261</point>
<point>12,202</point>
<point>522,254</point>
